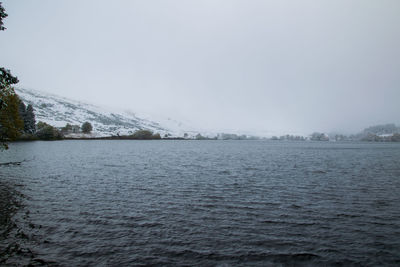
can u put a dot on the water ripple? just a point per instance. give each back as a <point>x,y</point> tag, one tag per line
<point>208,203</point>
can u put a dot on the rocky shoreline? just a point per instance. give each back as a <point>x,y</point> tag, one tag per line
<point>17,232</point>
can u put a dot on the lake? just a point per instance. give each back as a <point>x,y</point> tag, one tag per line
<point>200,203</point>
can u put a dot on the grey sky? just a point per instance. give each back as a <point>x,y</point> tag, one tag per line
<point>275,66</point>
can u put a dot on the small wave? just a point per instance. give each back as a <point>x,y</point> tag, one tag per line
<point>319,172</point>
<point>114,165</point>
<point>289,223</point>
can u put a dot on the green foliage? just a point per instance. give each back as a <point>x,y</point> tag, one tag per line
<point>319,137</point>
<point>28,117</point>
<point>200,137</point>
<point>6,82</point>
<point>3,15</point>
<point>47,132</point>
<point>142,134</point>
<point>156,136</point>
<point>86,127</point>
<point>10,121</point>
<point>11,124</point>
<point>29,120</point>
<point>145,135</point>
<point>67,128</point>
<point>40,125</point>
<point>6,78</point>
<point>21,108</point>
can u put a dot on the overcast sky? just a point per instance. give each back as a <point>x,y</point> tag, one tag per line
<point>273,66</point>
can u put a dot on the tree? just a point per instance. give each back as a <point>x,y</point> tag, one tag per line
<point>156,136</point>
<point>10,121</point>
<point>142,134</point>
<point>6,78</point>
<point>67,128</point>
<point>11,124</point>
<point>145,135</point>
<point>21,109</point>
<point>86,127</point>
<point>319,137</point>
<point>47,132</point>
<point>200,137</point>
<point>22,113</point>
<point>6,82</point>
<point>28,117</point>
<point>3,15</point>
<point>29,120</point>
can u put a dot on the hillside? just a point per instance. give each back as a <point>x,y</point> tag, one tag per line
<point>59,111</point>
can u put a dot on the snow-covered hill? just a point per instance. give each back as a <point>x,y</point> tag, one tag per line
<point>59,111</point>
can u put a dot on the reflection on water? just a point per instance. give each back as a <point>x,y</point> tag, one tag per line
<point>205,202</point>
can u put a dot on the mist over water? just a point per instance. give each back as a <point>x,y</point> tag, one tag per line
<point>197,203</point>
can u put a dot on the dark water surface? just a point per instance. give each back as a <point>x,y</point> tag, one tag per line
<point>201,203</point>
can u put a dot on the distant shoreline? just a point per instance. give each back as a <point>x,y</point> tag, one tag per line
<point>210,139</point>
<point>123,138</point>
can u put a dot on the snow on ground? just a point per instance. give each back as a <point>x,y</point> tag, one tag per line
<point>58,111</point>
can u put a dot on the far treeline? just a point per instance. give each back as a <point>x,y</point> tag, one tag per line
<point>379,133</point>
<point>17,122</point>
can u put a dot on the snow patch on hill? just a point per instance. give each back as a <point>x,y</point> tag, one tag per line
<point>58,111</point>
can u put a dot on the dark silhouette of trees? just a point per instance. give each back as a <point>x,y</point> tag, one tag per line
<point>86,127</point>
<point>142,134</point>
<point>6,82</point>
<point>200,137</point>
<point>29,120</point>
<point>156,136</point>
<point>10,121</point>
<point>66,129</point>
<point>47,132</point>
<point>3,15</point>
<point>145,135</point>
<point>11,124</point>
<point>6,78</point>
<point>28,117</point>
<point>319,137</point>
